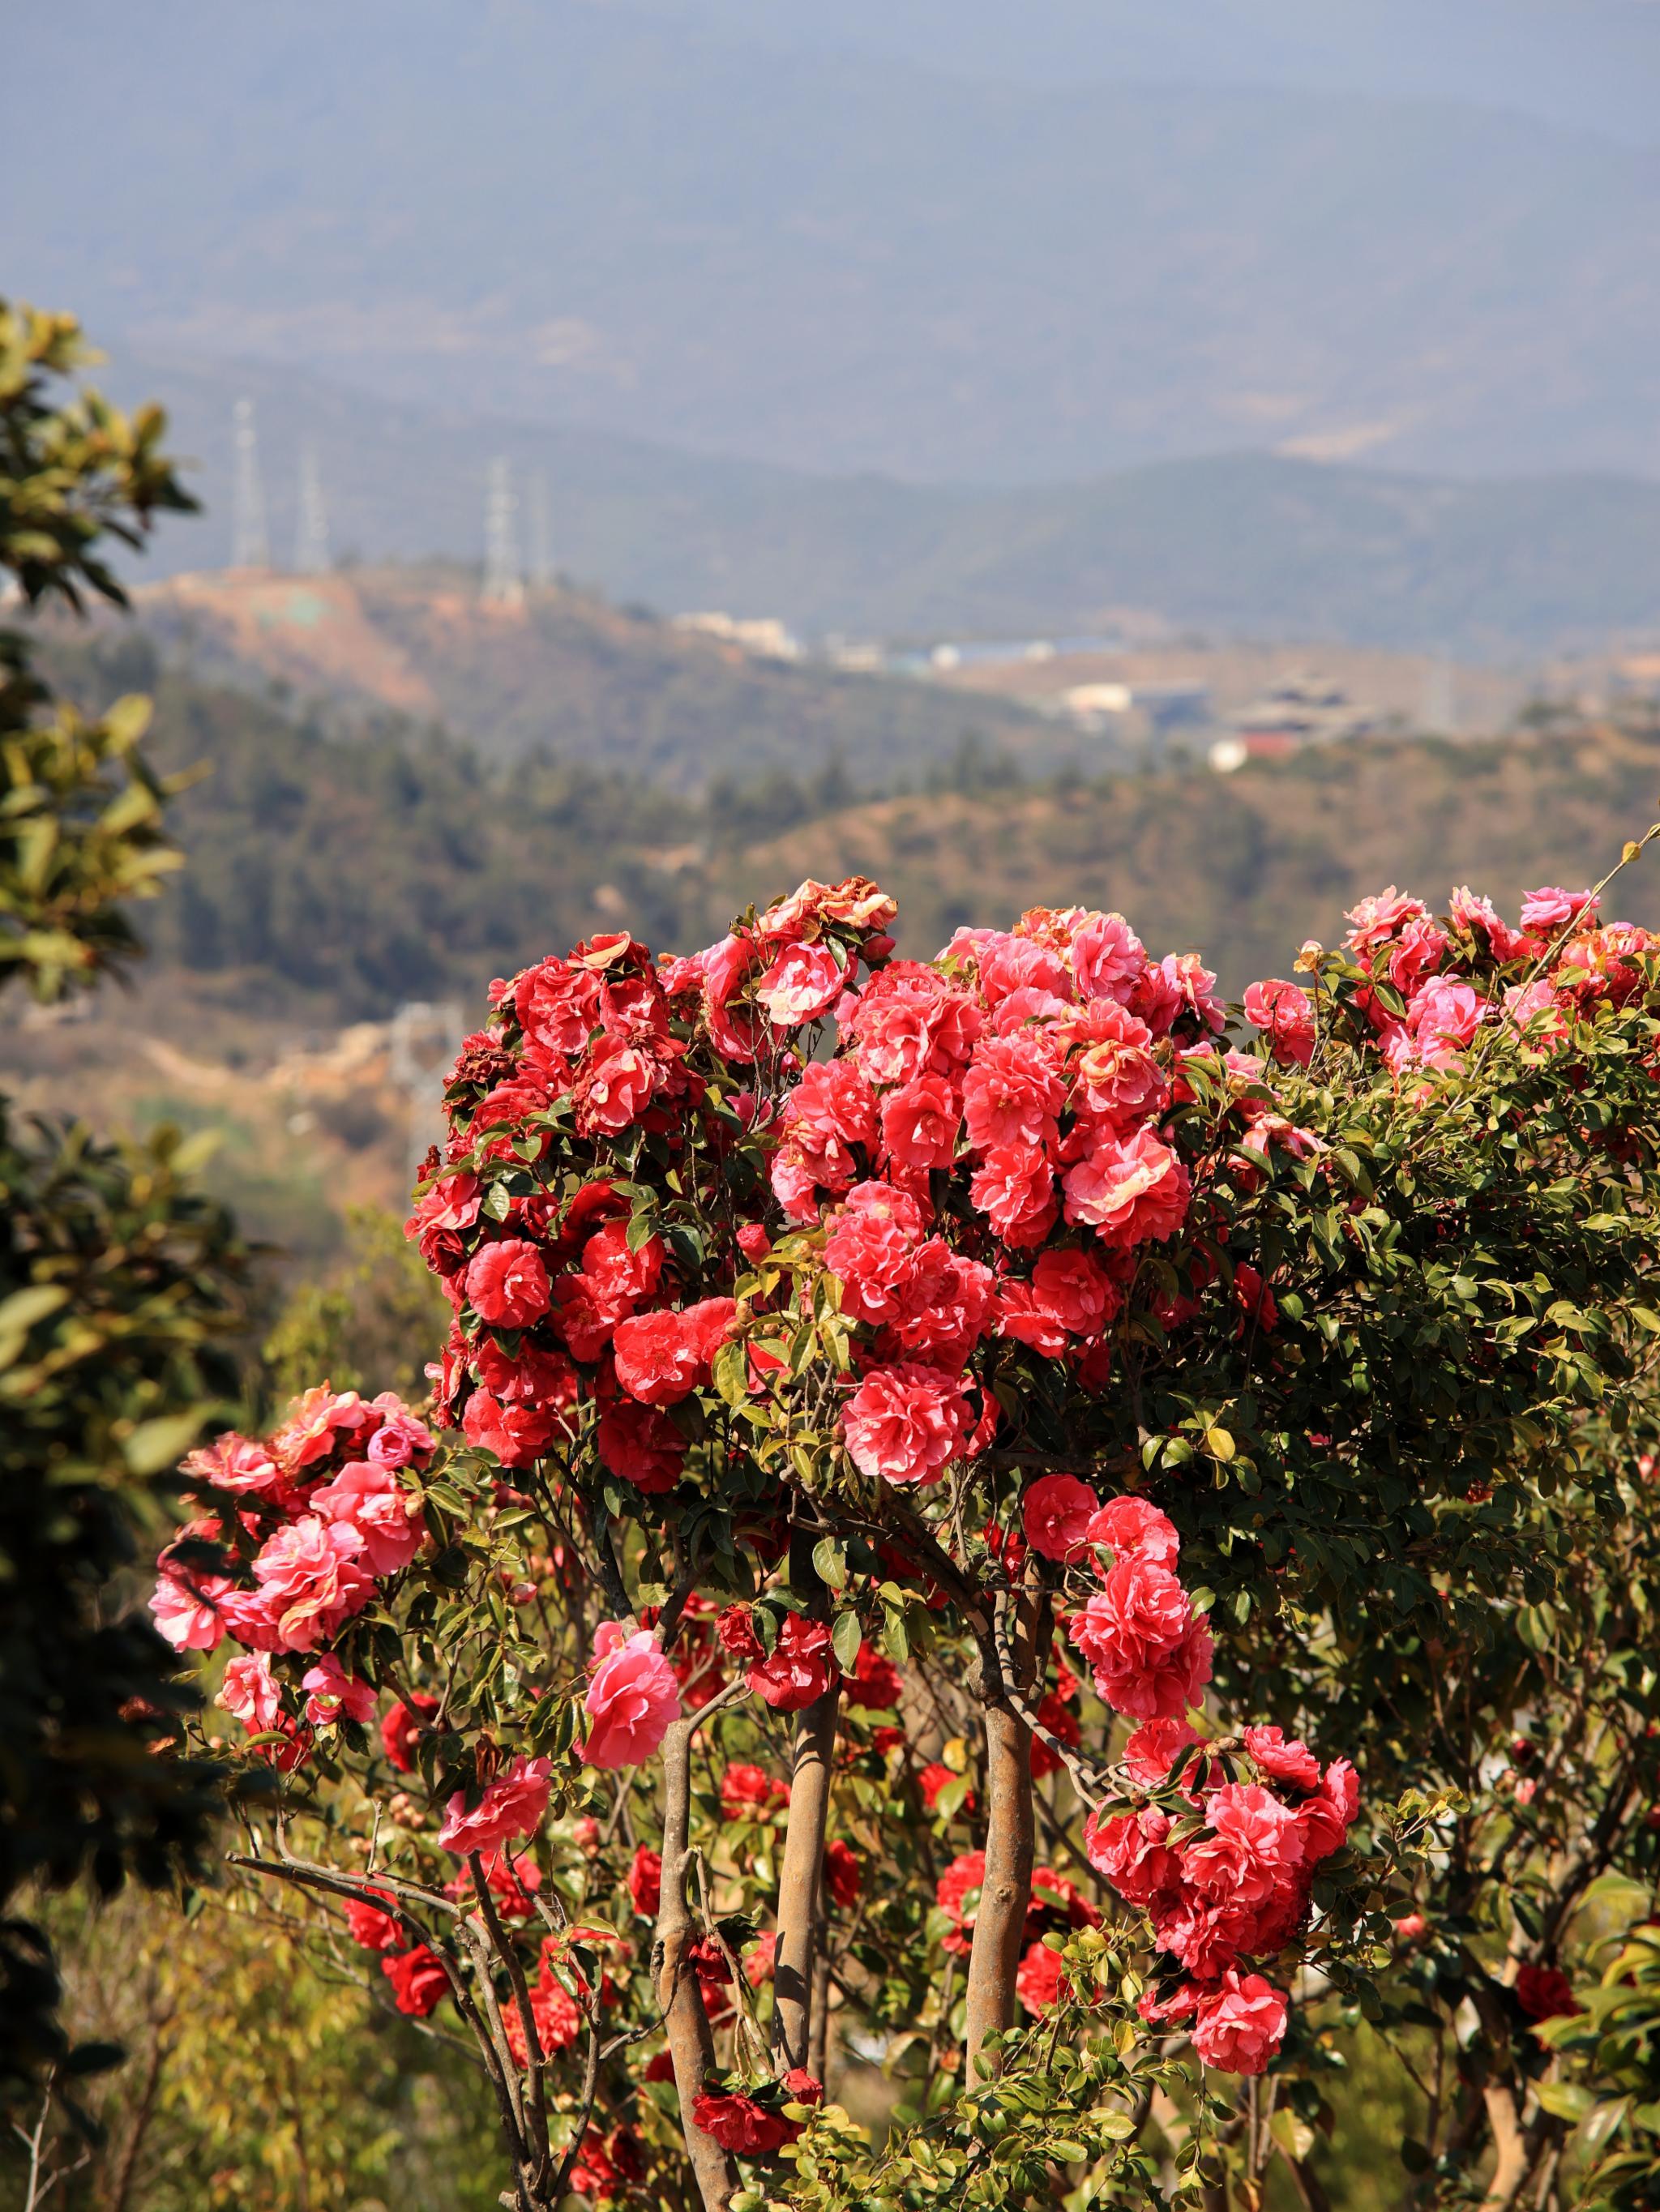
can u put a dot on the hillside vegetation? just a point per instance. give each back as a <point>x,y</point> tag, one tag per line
<point>349,874</point>
<point>616,688</point>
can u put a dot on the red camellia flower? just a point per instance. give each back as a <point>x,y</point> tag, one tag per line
<point>1039,1983</point>
<point>1544,1992</point>
<point>645,1881</point>
<point>875,1685</point>
<point>368,1925</point>
<point>662,1357</point>
<point>640,1445</point>
<point>1057,1513</point>
<point>741,2122</point>
<point>400,1725</point>
<point>800,1667</point>
<point>844,1873</point>
<point>517,1434</point>
<point>418,1980</point>
<point>507,1284</point>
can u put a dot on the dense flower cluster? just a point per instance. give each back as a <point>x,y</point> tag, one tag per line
<point>304,1525</point>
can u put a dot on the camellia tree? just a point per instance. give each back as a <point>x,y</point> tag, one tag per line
<point>969,1529</point>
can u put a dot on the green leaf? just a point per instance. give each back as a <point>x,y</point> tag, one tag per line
<point>1566,2101</point>
<point>829,1558</point>
<point>846,1636</point>
<point>163,1443</point>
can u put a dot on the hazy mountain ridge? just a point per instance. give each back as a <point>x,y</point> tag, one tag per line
<point>849,261</point>
<point>1242,544</point>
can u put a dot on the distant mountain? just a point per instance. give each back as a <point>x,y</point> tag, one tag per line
<point>838,260</point>
<point>1246,546</point>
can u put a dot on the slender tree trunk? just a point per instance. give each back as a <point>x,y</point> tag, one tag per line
<point>800,1880</point>
<point>818,2036</point>
<point>1005,1895</point>
<point>692,2046</point>
<point>999,1924</point>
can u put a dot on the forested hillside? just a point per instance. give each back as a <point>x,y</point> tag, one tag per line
<point>350,872</point>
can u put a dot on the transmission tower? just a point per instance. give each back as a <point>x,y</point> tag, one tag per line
<point>250,547</point>
<point>503,585</point>
<point>541,543</point>
<point>311,528</point>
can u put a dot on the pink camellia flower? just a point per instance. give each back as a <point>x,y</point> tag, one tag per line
<point>401,1439</point>
<point>1442,1019</point>
<point>871,1250</point>
<point>799,1667</point>
<point>1056,1513</point>
<point>187,1608</point>
<point>1285,1760</point>
<point>1130,1190</point>
<point>1285,1014</point>
<point>507,1283</point>
<point>336,1695</point>
<point>662,1357</point>
<point>317,1420</point>
<point>1014,1187</point>
<point>1238,2025</point>
<point>920,1121</point>
<point>631,1700</point>
<point>1328,1816</point>
<point>1481,919</point>
<point>1012,1095</point>
<point>1377,920</point>
<point>1107,957</point>
<point>512,1805</point>
<point>234,1462</point>
<point>1547,911</point>
<point>1039,1983</point>
<point>1255,1848</point>
<point>372,1500</point>
<point>312,1579</point>
<point>801,982</point>
<point>1409,1927</point>
<point>1131,1851</point>
<point>1149,1656</point>
<point>905,1423</point>
<point>1132,1529</point>
<point>250,1692</point>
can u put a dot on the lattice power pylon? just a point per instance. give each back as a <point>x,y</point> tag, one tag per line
<point>250,547</point>
<point>504,583</point>
<point>311,525</point>
<point>541,536</point>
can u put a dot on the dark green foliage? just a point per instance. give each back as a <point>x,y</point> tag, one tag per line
<point>119,1287</point>
<point>118,1291</point>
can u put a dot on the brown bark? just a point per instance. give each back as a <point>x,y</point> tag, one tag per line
<point>1005,1893</point>
<point>692,2046</point>
<point>999,1924</point>
<point>800,1880</point>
